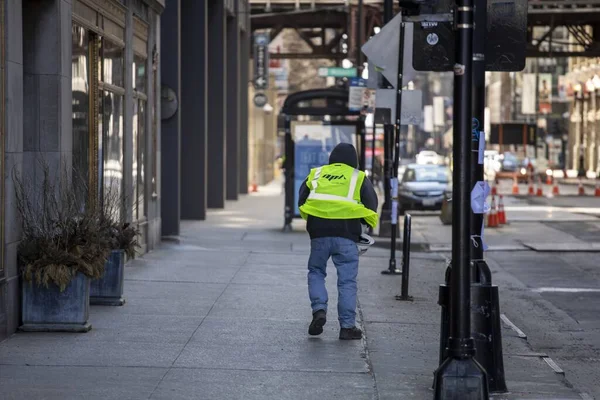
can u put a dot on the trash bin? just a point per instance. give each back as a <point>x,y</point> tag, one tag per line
<point>446,215</point>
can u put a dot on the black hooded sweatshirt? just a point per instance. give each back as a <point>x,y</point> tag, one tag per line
<point>343,153</point>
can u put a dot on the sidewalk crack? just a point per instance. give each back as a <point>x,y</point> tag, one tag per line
<point>366,352</point>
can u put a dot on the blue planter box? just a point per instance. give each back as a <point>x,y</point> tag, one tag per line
<point>108,290</point>
<point>50,310</point>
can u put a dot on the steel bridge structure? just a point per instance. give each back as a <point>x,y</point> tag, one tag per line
<point>324,25</point>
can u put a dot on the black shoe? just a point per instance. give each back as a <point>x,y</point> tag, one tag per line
<point>318,321</point>
<point>350,334</point>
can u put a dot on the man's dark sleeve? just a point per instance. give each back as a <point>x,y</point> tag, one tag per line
<point>303,193</point>
<point>368,196</point>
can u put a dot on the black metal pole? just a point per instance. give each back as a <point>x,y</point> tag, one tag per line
<point>392,180</point>
<point>477,173</point>
<point>359,38</point>
<point>460,376</point>
<point>461,230</point>
<point>388,132</point>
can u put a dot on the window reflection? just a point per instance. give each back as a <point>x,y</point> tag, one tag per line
<point>80,106</point>
<point>141,160</point>
<point>113,63</point>
<point>134,200</point>
<point>139,74</point>
<point>113,144</point>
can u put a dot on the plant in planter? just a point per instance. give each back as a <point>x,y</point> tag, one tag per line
<point>122,237</point>
<point>61,249</point>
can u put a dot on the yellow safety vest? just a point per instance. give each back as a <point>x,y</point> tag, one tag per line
<point>335,194</point>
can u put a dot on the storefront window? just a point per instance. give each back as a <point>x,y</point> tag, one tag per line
<point>139,137</point>
<point>112,146</point>
<point>81,102</point>
<point>113,63</point>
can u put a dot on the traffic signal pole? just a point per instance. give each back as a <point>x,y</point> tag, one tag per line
<point>460,377</point>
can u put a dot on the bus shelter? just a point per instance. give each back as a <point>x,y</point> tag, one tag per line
<point>315,122</point>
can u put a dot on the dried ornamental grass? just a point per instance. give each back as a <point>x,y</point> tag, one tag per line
<point>60,237</point>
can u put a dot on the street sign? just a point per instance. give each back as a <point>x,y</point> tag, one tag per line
<point>356,94</point>
<point>260,99</point>
<point>261,61</point>
<point>411,110</point>
<point>338,72</point>
<point>383,49</point>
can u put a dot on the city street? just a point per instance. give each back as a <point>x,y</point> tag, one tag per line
<point>223,314</point>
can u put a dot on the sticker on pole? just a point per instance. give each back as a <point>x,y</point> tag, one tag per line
<point>432,39</point>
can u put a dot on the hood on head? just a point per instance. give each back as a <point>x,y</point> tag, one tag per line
<point>344,153</point>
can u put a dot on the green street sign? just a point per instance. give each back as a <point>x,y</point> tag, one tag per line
<point>338,72</point>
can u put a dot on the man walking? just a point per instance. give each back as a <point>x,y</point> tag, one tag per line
<point>336,200</point>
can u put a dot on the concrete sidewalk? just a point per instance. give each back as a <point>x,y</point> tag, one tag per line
<point>223,314</point>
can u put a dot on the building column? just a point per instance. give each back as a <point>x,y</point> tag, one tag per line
<point>244,62</point>
<point>171,127</point>
<point>12,129</point>
<point>233,105</point>
<point>194,43</point>
<point>217,69</point>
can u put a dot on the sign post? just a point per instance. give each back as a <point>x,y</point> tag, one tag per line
<point>460,376</point>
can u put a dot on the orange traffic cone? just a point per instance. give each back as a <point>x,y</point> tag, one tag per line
<point>493,215</point>
<point>501,212</point>
<point>540,190</point>
<point>548,179</point>
<point>495,189</point>
<point>555,190</point>
<point>254,186</point>
<point>581,189</point>
<point>597,191</point>
<point>515,188</point>
<point>530,191</point>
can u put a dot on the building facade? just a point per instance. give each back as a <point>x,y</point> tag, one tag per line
<point>120,91</point>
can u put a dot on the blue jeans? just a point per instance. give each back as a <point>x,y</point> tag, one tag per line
<point>344,254</point>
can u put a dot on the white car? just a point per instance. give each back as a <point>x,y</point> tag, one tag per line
<point>428,157</point>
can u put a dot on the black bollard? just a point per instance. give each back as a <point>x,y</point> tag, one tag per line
<point>406,259</point>
<point>486,325</point>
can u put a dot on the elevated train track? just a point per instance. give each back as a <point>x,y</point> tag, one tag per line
<point>312,18</point>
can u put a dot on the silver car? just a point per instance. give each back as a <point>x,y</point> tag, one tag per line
<point>422,188</point>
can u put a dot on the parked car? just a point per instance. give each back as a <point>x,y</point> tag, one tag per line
<point>429,157</point>
<point>423,187</point>
<point>510,162</point>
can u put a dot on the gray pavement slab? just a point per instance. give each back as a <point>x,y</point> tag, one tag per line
<point>76,383</point>
<point>210,384</point>
<point>270,345</point>
<point>170,298</point>
<point>36,349</point>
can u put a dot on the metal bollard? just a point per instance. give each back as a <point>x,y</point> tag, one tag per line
<point>406,259</point>
<point>485,328</point>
